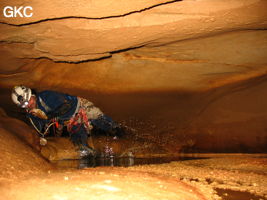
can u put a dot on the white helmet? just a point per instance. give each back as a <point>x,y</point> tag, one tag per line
<point>21,96</point>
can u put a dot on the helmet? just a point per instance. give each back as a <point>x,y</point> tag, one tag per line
<point>21,96</point>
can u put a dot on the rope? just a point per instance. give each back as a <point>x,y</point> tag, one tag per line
<point>45,132</point>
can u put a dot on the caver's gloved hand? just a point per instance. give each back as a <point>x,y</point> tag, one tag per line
<point>38,113</point>
<point>61,110</point>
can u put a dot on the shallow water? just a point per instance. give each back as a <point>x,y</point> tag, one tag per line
<point>116,161</point>
<point>237,195</point>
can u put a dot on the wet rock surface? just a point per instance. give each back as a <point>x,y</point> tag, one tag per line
<point>25,175</point>
<point>188,76</point>
<point>238,173</point>
<point>101,183</point>
<point>198,179</point>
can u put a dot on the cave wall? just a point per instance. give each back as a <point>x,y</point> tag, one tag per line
<point>80,31</point>
<point>192,65</point>
<point>233,119</point>
<point>169,69</point>
<point>18,159</point>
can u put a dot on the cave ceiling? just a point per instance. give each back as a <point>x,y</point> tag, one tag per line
<point>122,46</point>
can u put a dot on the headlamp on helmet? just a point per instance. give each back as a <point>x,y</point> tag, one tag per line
<point>21,96</point>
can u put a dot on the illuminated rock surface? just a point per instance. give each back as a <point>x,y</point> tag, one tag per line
<point>184,76</point>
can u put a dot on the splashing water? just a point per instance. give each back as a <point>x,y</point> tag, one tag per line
<point>108,152</point>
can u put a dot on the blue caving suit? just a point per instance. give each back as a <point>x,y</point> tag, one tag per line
<point>63,107</point>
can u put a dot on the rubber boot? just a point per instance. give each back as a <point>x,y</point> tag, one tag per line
<point>86,151</point>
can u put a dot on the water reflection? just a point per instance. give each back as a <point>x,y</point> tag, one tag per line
<point>113,161</point>
<point>227,194</point>
<point>105,161</point>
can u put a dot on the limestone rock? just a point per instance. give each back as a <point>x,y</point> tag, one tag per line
<point>75,34</point>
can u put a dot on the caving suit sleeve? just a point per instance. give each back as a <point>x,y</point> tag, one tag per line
<point>55,104</point>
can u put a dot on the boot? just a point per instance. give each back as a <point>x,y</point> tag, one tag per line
<point>86,151</point>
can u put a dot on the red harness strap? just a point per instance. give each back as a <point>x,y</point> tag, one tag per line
<point>77,120</point>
